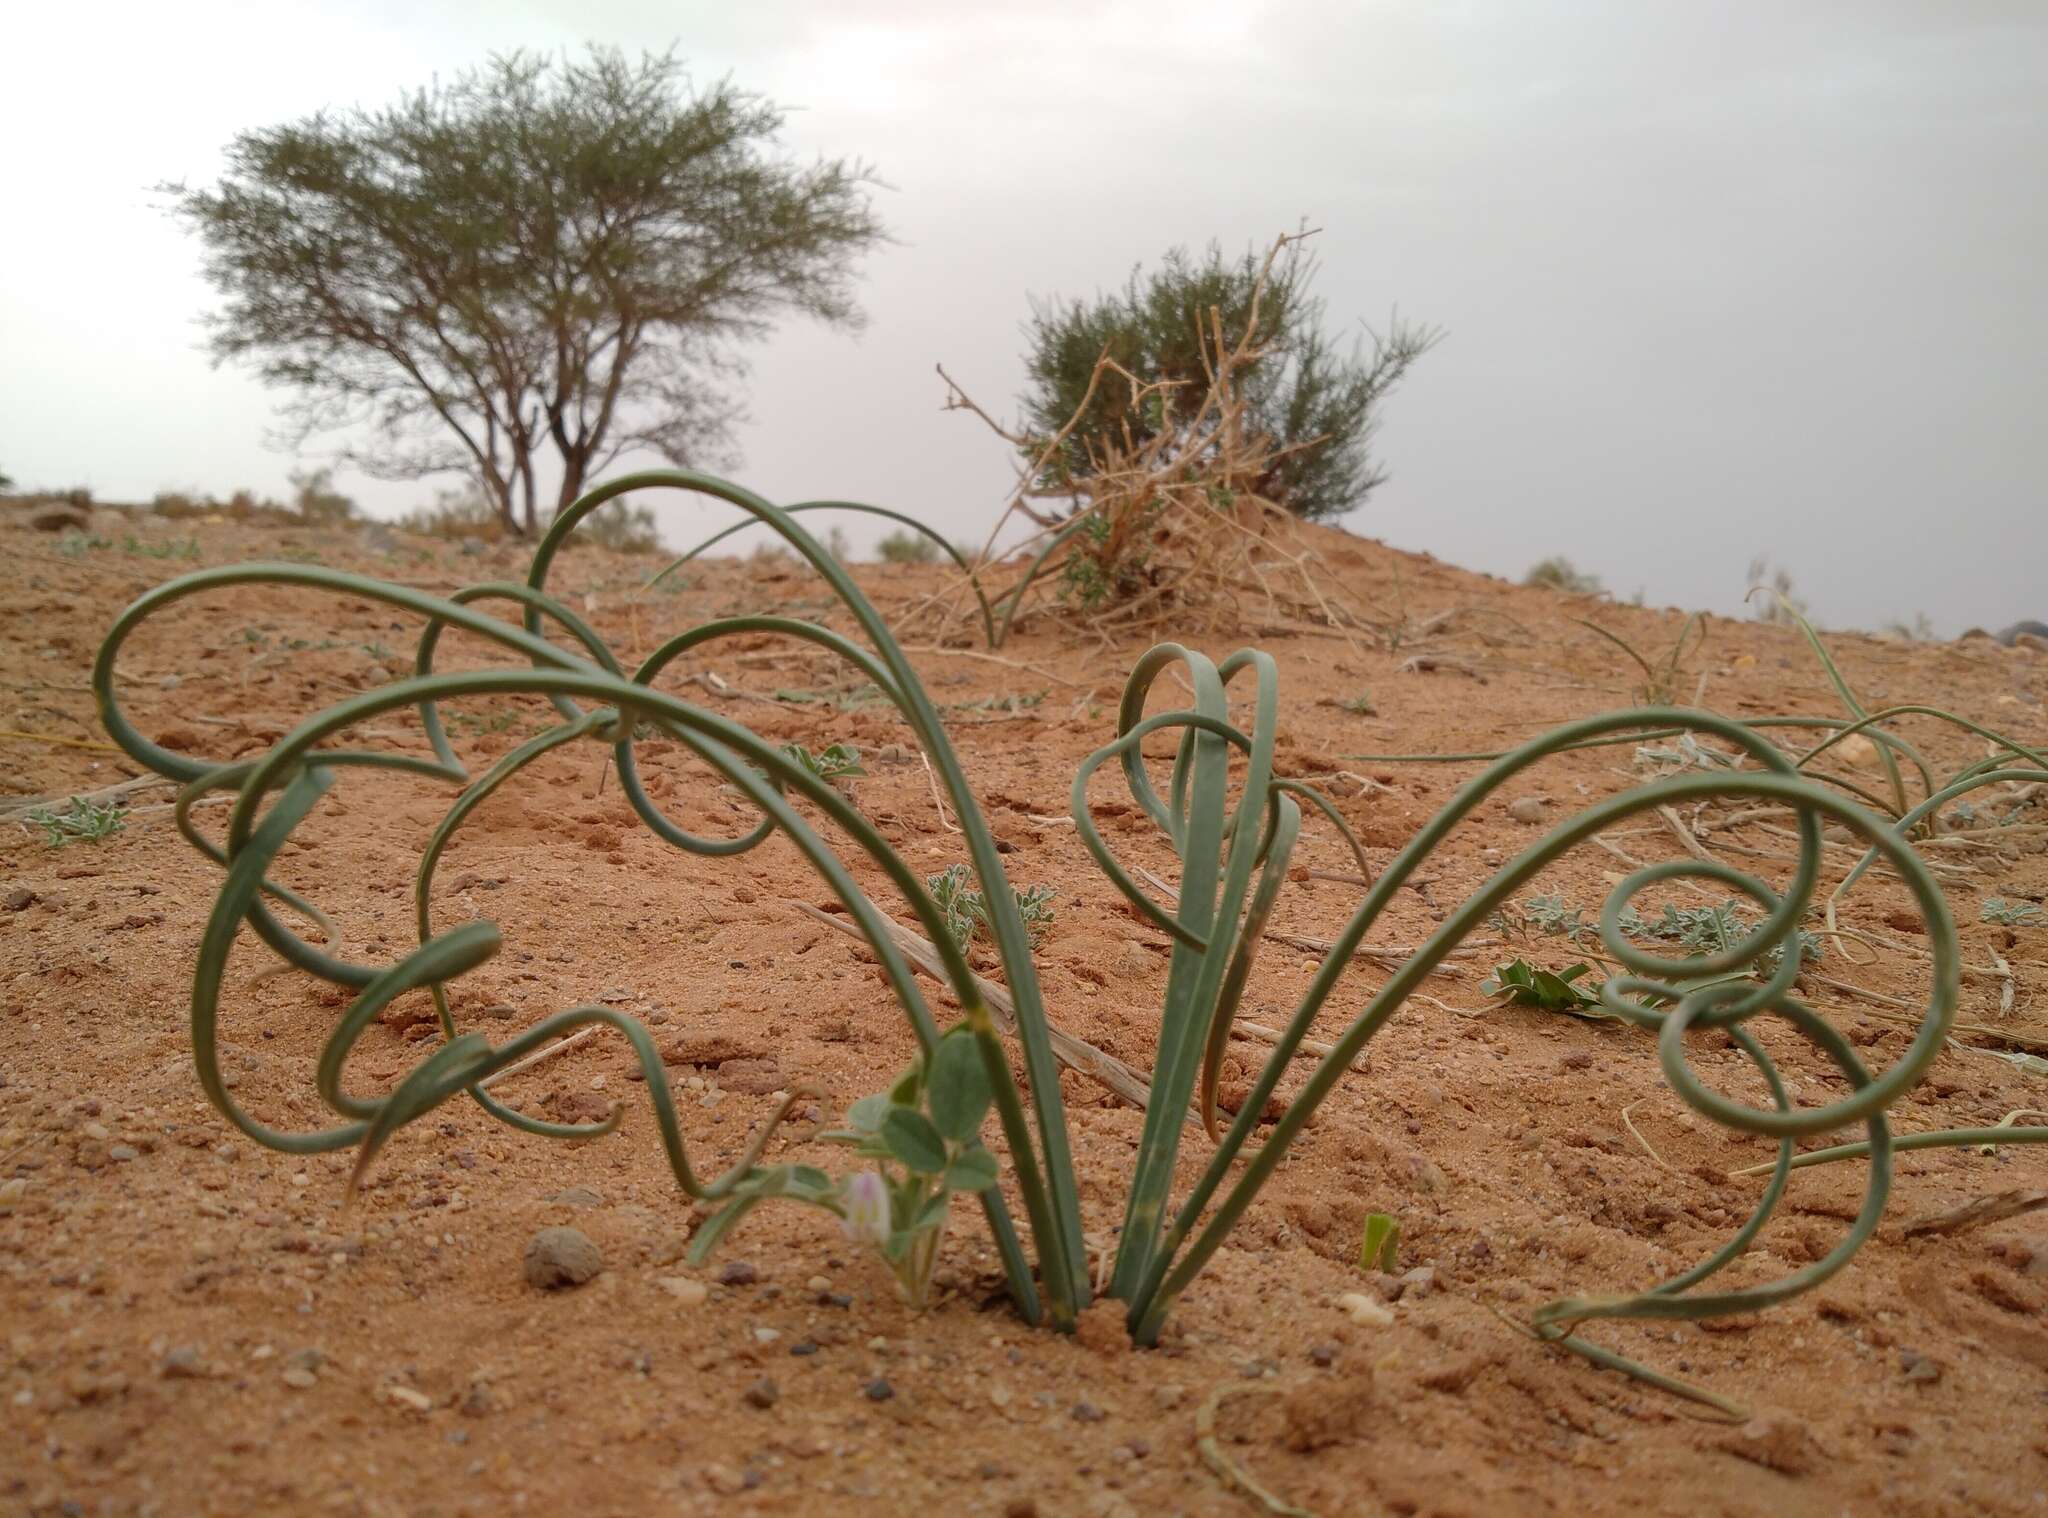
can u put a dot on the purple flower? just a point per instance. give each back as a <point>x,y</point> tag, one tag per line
<point>867,1208</point>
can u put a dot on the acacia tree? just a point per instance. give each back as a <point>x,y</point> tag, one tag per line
<point>1314,400</point>
<point>541,257</point>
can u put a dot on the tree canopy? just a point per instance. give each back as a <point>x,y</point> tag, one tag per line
<point>542,258</point>
<point>1314,398</point>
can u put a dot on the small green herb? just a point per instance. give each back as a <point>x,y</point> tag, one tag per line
<point>922,1135</point>
<point>2010,914</point>
<point>966,913</point>
<point>839,761</point>
<point>81,822</point>
<point>1521,984</point>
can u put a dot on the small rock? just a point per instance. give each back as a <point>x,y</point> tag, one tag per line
<point>18,898</point>
<point>559,1257</point>
<point>298,1378</point>
<point>1527,809</point>
<point>11,1193</point>
<point>182,1364</point>
<point>686,1291</point>
<point>751,1077</point>
<point>409,1398</point>
<point>1169,1396</point>
<point>1918,1367</point>
<point>1419,1282</point>
<point>737,1273</point>
<point>1364,1310</point>
<point>1020,1507</point>
<point>121,1154</point>
<point>96,1131</point>
<point>1322,1355</point>
<point>803,1347</point>
<point>764,1394</point>
<point>724,1480</point>
<point>577,1196</point>
<point>1088,1412</point>
<point>1776,1442</point>
<point>878,1390</point>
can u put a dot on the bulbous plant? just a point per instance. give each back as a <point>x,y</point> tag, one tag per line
<point>922,1136</point>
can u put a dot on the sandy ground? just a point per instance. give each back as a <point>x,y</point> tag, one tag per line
<point>193,1324</point>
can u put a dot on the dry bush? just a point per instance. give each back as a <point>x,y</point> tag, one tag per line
<point>1168,525</point>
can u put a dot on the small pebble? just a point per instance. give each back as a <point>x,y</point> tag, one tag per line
<point>724,1480</point>
<point>1323,1355</point>
<point>182,1364</point>
<point>559,1257</point>
<point>803,1347</point>
<point>1088,1412</point>
<point>763,1394</point>
<point>1365,1310</point>
<point>1526,809</point>
<point>878,1390</point>
<point>686,1291</point>
<point>299,1378</point>
<point>737,1273</point>
<point>407,1397</point>
<point>1918,1367</point>
<point>121,1154</point>
<point>1419,1282</point>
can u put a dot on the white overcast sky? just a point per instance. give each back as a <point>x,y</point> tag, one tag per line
<point>1720,279</point>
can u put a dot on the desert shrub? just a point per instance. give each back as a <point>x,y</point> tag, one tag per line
<point>1771,594</point>
<point>624,527</point>
<point>1315,405</point>
<point>1209,417</point>
<point>1559,573</point>
<point>318,501</point>
<point>906,548</point>
<point>458,512</point>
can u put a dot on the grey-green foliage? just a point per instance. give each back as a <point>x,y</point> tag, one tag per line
<point>80,821</point>
<point>1316,395</point>
<point>966,913</point>
<point>1710,930</point>
<point>836,761</point>
<point>540,259</point>
<point>2011,914</point>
